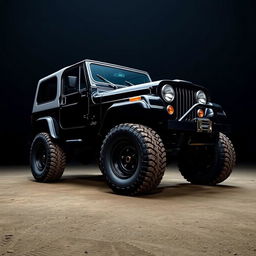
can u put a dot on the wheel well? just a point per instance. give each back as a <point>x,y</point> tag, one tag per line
<point>113,120</point>
<point>40,127</point>
<point>47,124</point>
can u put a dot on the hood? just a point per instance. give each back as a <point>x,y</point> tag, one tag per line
<point>141,89</point>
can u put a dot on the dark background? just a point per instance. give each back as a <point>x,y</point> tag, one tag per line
<point>211,43</point>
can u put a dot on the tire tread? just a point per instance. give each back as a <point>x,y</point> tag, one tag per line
<point>153,162</point>
<point>222,167</point>
<point>56,160</point>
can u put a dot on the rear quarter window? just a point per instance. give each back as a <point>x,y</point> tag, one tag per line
<point>47,91</point>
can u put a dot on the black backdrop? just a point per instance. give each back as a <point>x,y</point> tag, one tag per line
<point>208,42</point>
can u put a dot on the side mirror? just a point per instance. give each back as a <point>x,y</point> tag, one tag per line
<point>72,81</point>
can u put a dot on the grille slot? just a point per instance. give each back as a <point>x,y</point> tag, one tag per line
<point>185,99</point>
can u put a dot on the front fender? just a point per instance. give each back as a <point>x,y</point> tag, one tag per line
<point>140,111</point>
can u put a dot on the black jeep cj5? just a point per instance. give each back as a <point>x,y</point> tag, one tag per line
<point>133,122</point>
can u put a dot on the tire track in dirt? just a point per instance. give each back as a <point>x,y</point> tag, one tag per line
<point>5,240</point>
<point>129,248</point>
<point>10,242</point>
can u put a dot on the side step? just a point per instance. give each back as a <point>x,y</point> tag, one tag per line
<point>74,141</point>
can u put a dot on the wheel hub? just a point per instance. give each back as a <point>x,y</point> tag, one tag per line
<point>128,159</point>
<point>125,159</point>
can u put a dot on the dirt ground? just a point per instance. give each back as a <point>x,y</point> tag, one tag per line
<point>81,216</point>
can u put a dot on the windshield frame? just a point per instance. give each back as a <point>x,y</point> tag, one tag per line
<point>94,82</point>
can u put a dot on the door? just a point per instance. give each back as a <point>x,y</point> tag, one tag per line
<point>74,99</point>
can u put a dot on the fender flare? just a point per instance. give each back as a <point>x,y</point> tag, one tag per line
<point>130,111</point>
<point>51,126</point>
<point>123,106</point>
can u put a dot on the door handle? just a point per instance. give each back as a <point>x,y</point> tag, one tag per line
<point>64,101</point>
<point>84,94</point>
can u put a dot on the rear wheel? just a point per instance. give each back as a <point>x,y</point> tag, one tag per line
<point>208,165</point>
<point>47,159</point>
<point>132,159</point>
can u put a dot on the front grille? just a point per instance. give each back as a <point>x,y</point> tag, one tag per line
<point>185,99</point>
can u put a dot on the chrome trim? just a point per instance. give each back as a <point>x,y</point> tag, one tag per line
<point>194,106</point>
<point>208,105</point>
<point>51,126</point>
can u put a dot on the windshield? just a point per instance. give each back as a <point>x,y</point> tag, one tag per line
<point>117,75</point>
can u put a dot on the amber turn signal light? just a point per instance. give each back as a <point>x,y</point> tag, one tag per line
<point>200,113</point>
<point>135,98</point>
<point>170,109</point>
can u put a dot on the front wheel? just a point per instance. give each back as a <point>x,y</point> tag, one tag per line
<point>132,159</point>
<point>208,165</point>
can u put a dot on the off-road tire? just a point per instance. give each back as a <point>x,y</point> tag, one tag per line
<point>208,165</point>
<point>54,160</point>
<point>151,159</point>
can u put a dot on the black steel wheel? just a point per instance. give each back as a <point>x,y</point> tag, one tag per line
<point>125,158</point>
<point>47,159</point>
<point>208,165</point>
<point>132,159</point>
<point>40,156</point>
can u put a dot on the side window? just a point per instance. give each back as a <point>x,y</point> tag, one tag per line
<point>70,80</point>
<point>47,91</point>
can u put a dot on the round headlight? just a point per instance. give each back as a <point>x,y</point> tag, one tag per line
<point>168,93</point>
<point>201,97</point>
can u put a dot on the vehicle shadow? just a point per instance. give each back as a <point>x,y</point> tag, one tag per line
<point>186,189</point>
<point>97,181</point>
<point>167,189</point>
<point>85,180</point>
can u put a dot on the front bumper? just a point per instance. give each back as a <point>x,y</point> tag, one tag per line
<point>216,122</point>
<point>195,126</point>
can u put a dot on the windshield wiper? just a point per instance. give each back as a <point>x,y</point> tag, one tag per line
<point>108,82</point>
<point>129,83</point>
